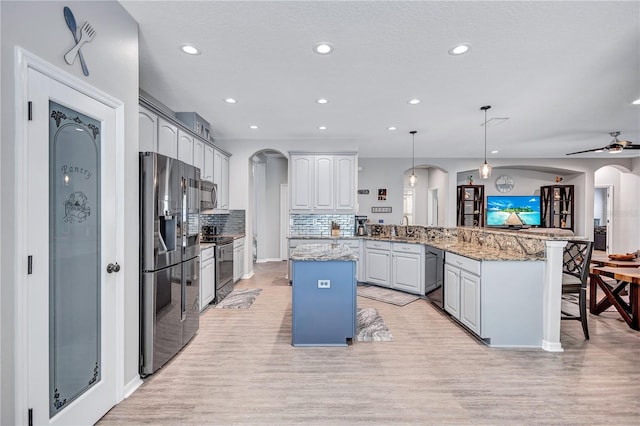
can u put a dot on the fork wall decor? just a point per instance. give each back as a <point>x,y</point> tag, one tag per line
<point>81,35</point>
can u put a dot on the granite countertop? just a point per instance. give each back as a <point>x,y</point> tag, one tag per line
<point>322,237</point>
<point>323,252</point>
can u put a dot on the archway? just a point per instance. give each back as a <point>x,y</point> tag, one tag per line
<point>268,186</point>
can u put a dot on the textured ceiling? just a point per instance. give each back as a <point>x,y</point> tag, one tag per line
<point>565,73</point>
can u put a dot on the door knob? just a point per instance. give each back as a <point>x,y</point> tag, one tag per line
<point>113,267</point>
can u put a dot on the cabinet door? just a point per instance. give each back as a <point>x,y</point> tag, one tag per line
<point>207,286</point>
<point>208,164</point>
<point>147,130</point>
<point>470,301</point>
<point>198,156</point>
<point>452,290</point>
<point>301,182</point>
<point>378,265</point>
<point>407,272</point>
<point>345,192</point>
<point>167,138</point>
<point>185,147</point>
<point>223,186</point>
<point>323,182</point>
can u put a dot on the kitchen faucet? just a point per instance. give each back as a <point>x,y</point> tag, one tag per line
<point>402,221</point>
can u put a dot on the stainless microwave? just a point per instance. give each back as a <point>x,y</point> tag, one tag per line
<point>208,195</point>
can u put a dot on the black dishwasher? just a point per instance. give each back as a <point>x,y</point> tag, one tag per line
<point>434,276</point>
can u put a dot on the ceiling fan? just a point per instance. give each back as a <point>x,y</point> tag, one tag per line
<point>614,147</point>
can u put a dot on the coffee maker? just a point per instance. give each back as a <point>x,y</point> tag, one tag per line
<point>361,226</point>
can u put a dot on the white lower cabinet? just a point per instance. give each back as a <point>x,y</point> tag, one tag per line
<point>378,263</point>
<point>462,290</point>
<point>238,258</point>
<point>396,265</point>
<point>207,276</point>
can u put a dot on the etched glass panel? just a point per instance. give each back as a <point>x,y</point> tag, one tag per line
<point>74,255</point>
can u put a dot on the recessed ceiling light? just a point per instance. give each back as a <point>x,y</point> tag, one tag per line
<point>495,151</point>
<point>253,126</point>
<point>230,101</point>
<point>414,101</point>
<point>322,101</point>
<point>391,128</point>
<point>323,48</point>
<point>636,102</point>
<point>322,128</point>
<point>459,49</point>
<point>190,49</point>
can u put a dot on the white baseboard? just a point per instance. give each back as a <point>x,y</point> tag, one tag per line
<point>269,259</point>
<point>247,275</point>
<point>131,387</point>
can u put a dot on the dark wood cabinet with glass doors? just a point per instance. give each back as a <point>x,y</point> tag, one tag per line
<point>557,206</point>
<point>470,205</point>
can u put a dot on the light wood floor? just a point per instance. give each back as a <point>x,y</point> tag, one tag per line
<point>241,369</point>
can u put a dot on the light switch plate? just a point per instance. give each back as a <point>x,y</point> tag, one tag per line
<point>324,283</point>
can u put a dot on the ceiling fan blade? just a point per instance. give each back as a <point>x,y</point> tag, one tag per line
<point>630,146</point>
<point>588,150</point>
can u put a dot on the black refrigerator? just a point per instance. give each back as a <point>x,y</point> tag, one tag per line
<point>169,258</point>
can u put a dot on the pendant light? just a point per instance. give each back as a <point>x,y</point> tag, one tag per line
<point>413,179</point>
<point>485,168</point>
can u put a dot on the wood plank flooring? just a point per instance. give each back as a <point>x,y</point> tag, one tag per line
<point>241,369</point>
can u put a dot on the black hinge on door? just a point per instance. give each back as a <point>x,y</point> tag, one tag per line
<point>30,110</point>
<point>30,416</point>
<point>29,265</point>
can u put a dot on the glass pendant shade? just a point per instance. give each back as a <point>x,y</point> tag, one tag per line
<point>413,179</point>
<point>485,171</point>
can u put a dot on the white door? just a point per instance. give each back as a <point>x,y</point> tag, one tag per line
<point>71,238</point>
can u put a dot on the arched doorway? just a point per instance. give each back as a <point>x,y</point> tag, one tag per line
<point>269,205</point>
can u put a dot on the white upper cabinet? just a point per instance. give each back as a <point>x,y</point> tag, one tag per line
<point>198,156</point>
<point>148,130</point>
<point>167,138</point>
<point>221,178</point>
<point>324,186</point>
<point>185,147</point>
<point>207,167</point>
<point>223,185</point>
<point>301,181</point>
<point>322,182</point>
<point>346,173</point>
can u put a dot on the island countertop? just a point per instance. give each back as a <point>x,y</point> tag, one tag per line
<point>323,252</point>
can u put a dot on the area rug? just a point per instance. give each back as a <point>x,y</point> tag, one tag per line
<point>371,327</point>
<point>386,295</point>
<point>241,298</point>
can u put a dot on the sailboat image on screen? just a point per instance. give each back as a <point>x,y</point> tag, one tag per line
<point>513,211</point>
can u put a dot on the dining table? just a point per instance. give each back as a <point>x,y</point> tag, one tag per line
<point>602,259</point>
<point>613,281</point>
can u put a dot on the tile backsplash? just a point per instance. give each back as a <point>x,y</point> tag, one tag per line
<point>229,224</point>
<point>311,225</point>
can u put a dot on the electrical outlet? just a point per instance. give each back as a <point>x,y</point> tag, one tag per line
<point>324,283</point>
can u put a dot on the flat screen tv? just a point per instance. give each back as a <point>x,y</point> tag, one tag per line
<point>513,211</point>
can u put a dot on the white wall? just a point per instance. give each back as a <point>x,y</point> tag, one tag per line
<point>276,175</point>
<point>626,208</point>
<point>112,59</point>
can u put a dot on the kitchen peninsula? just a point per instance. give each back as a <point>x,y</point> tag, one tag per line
<point>502,285</point>
<point>323,295</point>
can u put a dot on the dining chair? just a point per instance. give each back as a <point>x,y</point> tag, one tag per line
<point>575,273</point>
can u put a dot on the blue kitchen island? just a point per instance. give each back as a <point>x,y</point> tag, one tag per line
<point>323,295</point>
